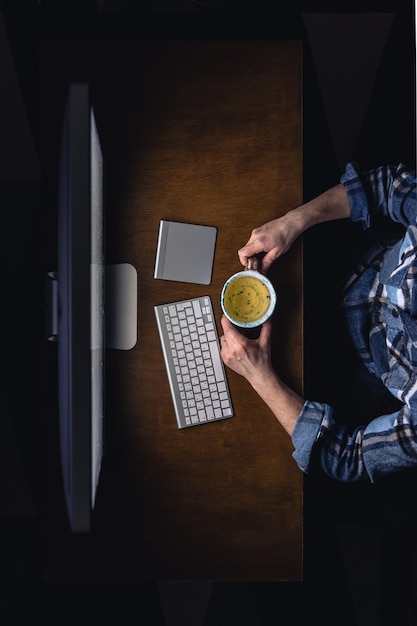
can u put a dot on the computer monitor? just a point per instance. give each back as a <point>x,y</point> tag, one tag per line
<point>93,306</point>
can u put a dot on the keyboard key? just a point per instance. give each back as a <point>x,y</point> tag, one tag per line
<point>197,308</point>
<point>217,363</point>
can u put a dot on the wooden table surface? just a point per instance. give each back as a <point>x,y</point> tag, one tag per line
<point>205,132</point>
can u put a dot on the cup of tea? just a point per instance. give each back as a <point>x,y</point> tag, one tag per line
<point>248,298</point>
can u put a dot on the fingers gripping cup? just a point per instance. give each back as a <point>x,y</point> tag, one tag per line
<point>248,298</point>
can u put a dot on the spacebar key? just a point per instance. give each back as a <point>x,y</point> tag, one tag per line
<point>216,358</point>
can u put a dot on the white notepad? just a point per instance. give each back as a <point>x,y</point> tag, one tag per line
<point>185,252</point>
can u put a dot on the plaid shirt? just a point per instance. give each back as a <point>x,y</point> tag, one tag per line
<point>380,305</point>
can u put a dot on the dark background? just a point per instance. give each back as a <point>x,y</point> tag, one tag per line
<point>359,103</point>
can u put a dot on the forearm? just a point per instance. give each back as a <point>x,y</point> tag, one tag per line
<point>284,403</point>
<point>333,204</point>
<point>276,237</point>
<point>251,358</point>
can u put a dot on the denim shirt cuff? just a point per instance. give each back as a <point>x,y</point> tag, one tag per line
<point>359,207</point>
<point>307,430</point>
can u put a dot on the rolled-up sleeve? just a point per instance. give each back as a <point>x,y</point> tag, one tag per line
<point>389,190</point>
<point>388,444</point>
<point>323,445</point>
<point>306,432</point>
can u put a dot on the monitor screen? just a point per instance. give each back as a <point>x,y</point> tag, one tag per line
<point>97,307</point>
<point>81,323</point>
<point>93,306</point>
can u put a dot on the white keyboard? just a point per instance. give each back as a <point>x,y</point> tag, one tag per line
<point>195,369</point>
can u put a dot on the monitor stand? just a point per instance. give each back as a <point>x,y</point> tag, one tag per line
<point>121,306</point>
<point>121,298</point>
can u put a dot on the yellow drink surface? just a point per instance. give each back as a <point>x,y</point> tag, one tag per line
<point>247,299</point>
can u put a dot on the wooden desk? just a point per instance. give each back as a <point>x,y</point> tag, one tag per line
<point>210,133</point>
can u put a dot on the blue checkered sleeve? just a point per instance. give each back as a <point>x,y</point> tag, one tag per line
<point>386,190</point>
<point>320,442</point>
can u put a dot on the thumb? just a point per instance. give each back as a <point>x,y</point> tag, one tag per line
<point>228,329</point>
<point>250,249</point>
<point>265,334</point>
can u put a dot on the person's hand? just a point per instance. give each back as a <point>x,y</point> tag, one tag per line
<point>274,238</point>
<point>251,358</point>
